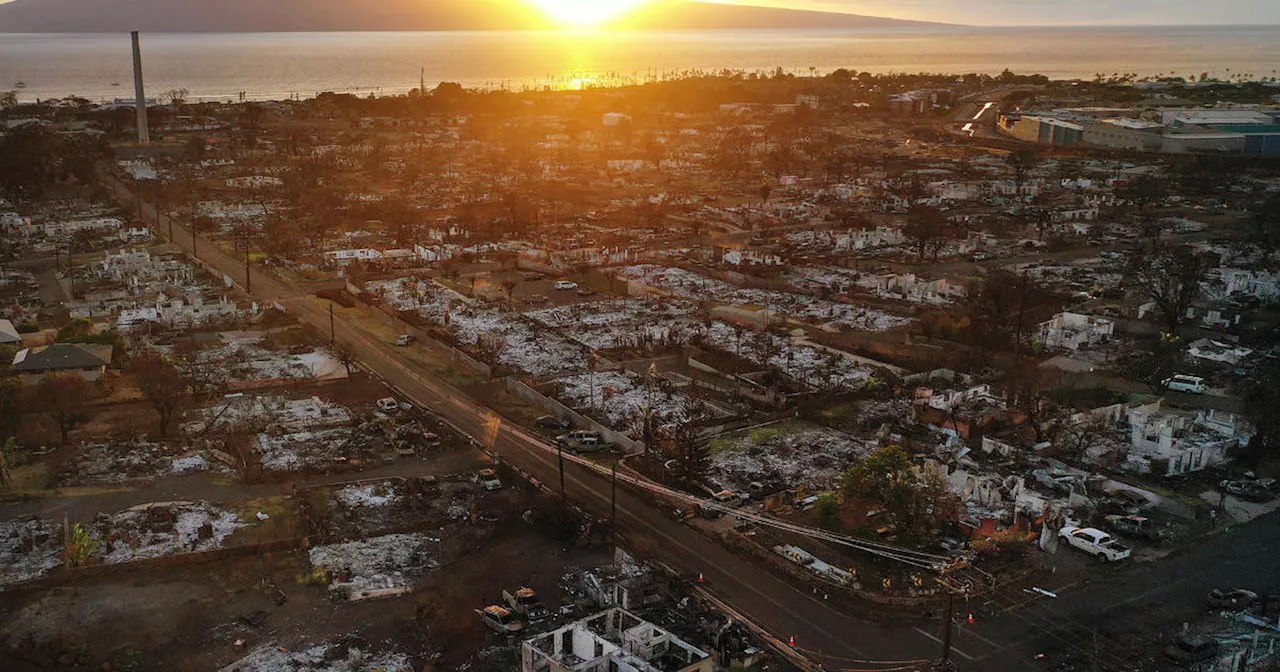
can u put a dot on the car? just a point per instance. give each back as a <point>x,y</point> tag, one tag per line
<point>489,479</point>
<point>501,620</point>
<point>565,285</point>
<point>1136,526</point>
<point>1232,599</point>
<point>537,298</point>
<point>525,602</point>
<point>1182,383</point>
<point>1250,489</point>
<point>1095,542</point>
<point>552,422</point>
<point>388,405</point>
<point>1132,499</point>
<point>1188,650</point>
<point>730,498</point>
<point>586,291</point>
<point>404,339</point>
<point>582,441</point>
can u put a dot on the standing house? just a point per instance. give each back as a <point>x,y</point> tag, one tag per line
<point>614,640</point>
<point>87,361</point>
<point>1074,331</point>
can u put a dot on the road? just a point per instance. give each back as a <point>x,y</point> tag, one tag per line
<point>837,640</point>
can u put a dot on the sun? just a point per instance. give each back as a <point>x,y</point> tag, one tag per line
<point>585,13</point>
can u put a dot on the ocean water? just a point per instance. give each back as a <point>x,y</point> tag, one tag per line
<point>280,65</point>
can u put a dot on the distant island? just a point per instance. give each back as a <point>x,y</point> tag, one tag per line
<point>203,16</point>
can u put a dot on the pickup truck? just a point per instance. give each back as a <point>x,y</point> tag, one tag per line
<point>525,602</point>
<point>1094,542</point>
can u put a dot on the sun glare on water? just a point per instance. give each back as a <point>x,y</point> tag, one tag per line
<point>585,13</point>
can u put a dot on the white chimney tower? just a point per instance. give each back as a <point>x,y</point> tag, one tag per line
<point>140,96</point>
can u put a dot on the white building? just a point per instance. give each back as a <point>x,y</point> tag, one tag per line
<point>614,640</point>
<point>1074,331</point>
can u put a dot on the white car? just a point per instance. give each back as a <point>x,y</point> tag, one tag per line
<point>1181,383</point>
<point>566,285</point>
<point>1095,542</point>
<point>388,405</point>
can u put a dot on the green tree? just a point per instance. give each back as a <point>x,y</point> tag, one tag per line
<point>80,547</point>
<point>692,454</point>
<point>827,511</point>
<point>889,479</point>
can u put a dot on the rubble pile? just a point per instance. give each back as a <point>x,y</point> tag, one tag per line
<point>387,564</point>
<point>113,463</point>
<point>333,449</point>
<point>797,455</point>
<point>29,547</point>
<point>327,657</point>
<point>162,528</point>
<point>622,398</point>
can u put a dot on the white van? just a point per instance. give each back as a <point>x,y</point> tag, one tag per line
<point>1181,383</point>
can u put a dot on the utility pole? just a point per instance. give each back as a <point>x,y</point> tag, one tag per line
<point>613,501</point>
<point>1022,300</point>
<point>248,278</point>
<point>946,632</point>
<point>331,332</point>
<point>560,458</point>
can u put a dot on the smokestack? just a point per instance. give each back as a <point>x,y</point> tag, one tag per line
<point>140,97</point>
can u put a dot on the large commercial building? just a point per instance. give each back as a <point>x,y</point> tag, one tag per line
<point>1043,130</point>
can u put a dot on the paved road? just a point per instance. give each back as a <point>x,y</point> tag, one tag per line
<point>838,640</point>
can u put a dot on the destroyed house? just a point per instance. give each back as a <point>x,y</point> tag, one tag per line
<point>1169,443</point>
<point>1074,331</point>
<point>612,640</point>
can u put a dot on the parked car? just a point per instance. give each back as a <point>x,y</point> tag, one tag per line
<point>388,405</point>
<point>537,298</point>
<point>1188,650</point>
<point>566,285</point>
<point>500,620</point>
<point>1126,502</point>
<point>1233,599</point>
<point>489,479</point>
<point>582,441</point>
<point>552,422</point>
<point>404,339</point>
<point>1095,542</point>
<point>1138,527</point>
<point>730,498</point>
<point>525,602</point>
<point>1250,489</point>
<point>1181,383</point>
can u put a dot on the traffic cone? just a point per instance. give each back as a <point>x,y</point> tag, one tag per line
<point>701,579</point>
<point>791,642</point>
<point>971,618</point>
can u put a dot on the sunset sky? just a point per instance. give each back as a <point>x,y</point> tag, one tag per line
<point>987,12</point>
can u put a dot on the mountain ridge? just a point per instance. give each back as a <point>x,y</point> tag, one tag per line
<point>241,16</point>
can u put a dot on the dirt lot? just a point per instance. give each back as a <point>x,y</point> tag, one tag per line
<point>190,618</point>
